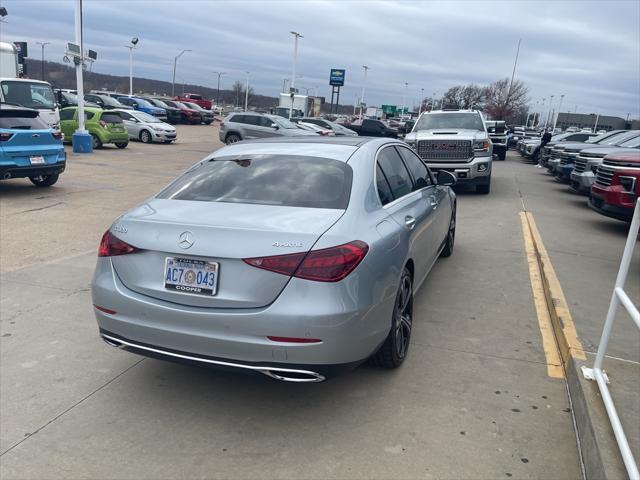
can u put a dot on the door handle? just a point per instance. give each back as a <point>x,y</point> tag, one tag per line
<point>433,201</point>
<point>410,222</point>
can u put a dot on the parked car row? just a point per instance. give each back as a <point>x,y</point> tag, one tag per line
<point>605,167</point>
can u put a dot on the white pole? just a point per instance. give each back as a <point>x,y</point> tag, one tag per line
<point>595,127</point>
<point>246,95</point>
<point>130,70</point>
<point>79,62</point>
<point>293,74</point>
<point>404,97</point>
<point>364,83</point>
<point>421,101</point>
<point>555,121</point>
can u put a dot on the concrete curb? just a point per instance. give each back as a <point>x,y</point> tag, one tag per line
<point>573,357</point>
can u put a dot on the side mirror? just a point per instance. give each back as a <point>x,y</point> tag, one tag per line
<point>446,179</point>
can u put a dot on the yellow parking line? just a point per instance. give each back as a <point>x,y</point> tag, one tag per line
<point>561,319</point>
<point>551,353</point>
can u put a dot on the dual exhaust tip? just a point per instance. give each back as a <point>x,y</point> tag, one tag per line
<point>277,373</point>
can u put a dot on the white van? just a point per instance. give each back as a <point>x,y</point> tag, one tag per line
<point>8,60</point>
<point>32,94</point>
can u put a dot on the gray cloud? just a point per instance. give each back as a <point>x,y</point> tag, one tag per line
<point>588,51</point>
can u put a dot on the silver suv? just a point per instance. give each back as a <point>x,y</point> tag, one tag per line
<point>456,141</point>
<point>246,126</point>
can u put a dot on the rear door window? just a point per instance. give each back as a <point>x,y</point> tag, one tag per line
<point>384,190</point>
<point>395,172</point>
<point>285,180</point>
<point>418,169</point>
<point>67,114</point>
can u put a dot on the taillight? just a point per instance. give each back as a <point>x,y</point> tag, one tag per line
<point>111,246</point>
<point>4,136</point>
<point>325,265</point>
<point>292,339</point>
<point>104,310</point>
<point>324,133</point>
<point>57,135</point>
<point>103,124</point>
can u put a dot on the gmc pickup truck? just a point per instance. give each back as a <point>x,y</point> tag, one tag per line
<point>194,98</point>
<point>617,185</point>
<point>456,141</point>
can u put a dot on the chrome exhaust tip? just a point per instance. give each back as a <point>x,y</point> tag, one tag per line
<point>294,376</point>
<point>112,342</point>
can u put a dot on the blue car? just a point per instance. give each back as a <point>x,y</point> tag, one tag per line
<point>28,147</point>
<point>144,106</point>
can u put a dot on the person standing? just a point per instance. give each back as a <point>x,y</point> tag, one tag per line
<point>546,138</point>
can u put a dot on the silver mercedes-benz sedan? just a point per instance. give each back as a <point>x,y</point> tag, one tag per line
<point>292,257</point>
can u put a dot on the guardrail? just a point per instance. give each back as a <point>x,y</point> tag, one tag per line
<point>596,373</point>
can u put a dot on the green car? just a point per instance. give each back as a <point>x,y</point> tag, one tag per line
<point>103,125</point>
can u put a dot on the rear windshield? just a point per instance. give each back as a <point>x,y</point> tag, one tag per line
<point>22,123</point>
<point>470,121</point>
<point>111,118</point>
<point>287,180</point>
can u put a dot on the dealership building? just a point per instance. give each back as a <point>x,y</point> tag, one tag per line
<point>583,120</point>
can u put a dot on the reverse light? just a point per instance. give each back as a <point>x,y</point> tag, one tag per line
<point>112,246</point>
<point>324,265</point>
<point>4,136</point>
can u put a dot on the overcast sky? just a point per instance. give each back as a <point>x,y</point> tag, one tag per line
<point>587,50</point>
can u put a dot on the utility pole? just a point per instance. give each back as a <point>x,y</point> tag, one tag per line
<point>364,83</point>
<point>404,97</point>
<point>513,73</point>
<point>43,44</point>
<point>175,63</point>
<point>218,94</point>
<point>134,42</point>
<point>296,35</point>
<point>555,121</point>
<point>547,120</point>
<point>421,100</point>
<point>246,94</point>
<point>595,126</point>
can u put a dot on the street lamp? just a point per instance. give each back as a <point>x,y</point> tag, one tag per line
<point>246,94</point>
<point>42,44</point>
<point>555,121</point>
<point>134,42</point>
<point>364,83</point>
<point>175,63</point>
<point>296,35</point>
<point>421,100</point>
<point>218,94</point>
<point>404,97</point>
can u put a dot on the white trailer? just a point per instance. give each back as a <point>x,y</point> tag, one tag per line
<point>300,104</point>
<point>8,60</point>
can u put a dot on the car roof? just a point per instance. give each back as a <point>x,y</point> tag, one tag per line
<point>349,141</point>
<point>634,155</point>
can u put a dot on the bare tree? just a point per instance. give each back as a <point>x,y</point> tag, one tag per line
<point>238,92</point>
<point>464,96</point>
<point>503,102</point>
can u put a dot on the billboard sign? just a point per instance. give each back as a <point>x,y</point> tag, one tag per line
<point>336,77</point>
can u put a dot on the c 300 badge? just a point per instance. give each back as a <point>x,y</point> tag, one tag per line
<point>119,228</point>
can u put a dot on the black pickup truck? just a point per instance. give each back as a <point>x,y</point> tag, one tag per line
<point>373,128</point>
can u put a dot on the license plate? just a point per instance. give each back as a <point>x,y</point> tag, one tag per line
<point>186,275</point>
<point>36,160</point>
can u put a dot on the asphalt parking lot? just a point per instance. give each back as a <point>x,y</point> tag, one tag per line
<point>473,400</point>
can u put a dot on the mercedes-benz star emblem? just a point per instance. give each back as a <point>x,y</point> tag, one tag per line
<point>185,240</point>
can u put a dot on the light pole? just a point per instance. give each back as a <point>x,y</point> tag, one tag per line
<point>421,101</point>
<point>364,83</point>
<point>175,63</point>
<point>134,42</point>
<point>246,94</point>
<point>547,120</point>
<point>284,85</point>
<point>296,35</point>
<point>404,97</point>
<point>43,44</point>
<point>218,94</point>
<point>555,120</point>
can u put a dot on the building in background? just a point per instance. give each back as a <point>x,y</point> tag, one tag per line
<point>584,120</point>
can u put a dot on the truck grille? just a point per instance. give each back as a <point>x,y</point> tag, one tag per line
<point>580,165</point>
<point>566,158</point>
<point>621,163</point>
<point>445,149</point>
<point>604,176</point>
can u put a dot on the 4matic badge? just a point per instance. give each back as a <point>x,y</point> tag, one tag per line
<point>287,244</point>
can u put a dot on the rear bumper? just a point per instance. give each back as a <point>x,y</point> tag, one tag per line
<point>350,329</point>
<point>16,171</point>
<point>612,202</point>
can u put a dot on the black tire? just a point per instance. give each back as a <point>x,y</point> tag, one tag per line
<point>232,138</point>
<point>96,142</point>
<point>145,136</point>
<point>396,346</point>
<point>122,144</point>
<point>44,180</point>
<point>502,155</point>
<point>484,189</point>
<point>447,251</point>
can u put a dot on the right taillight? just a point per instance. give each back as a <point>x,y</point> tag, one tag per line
<point>325,265</point>
<point>4,136</point>
<point>57,134</point>
<point>111,246</point>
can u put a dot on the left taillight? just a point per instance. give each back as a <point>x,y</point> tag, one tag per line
<point>4,136</point>
<point>103,124</point>
<point>57,135</point>
<point>111,246</point>
<point>324,265</point>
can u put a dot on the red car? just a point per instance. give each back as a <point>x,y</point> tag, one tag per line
<point>617,185</point>
<point>189,115</point>
<point>195,98</point>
